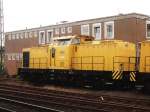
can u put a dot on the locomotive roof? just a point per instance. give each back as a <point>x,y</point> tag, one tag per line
<point>72,36</point>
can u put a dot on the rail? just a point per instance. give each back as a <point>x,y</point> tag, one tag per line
<point>75,100</point>
<point>2,109</point>
<point>42,108</point>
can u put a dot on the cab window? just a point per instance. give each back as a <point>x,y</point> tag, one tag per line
<point>64,42</point>
<point>75,41</point>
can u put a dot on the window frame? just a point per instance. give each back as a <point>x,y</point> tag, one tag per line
<point>13,36</point>
<point>47,40</point>
<point>57,31</point>
<point>105,31</point>
<point>9,36</point>
<point>69,29</point>
<point>30,34</point>
<point>88,27</point>
<point>35,34</point>
<point>17,35</point>
<point>25,35</point>
<point>13,56</point>
<point>147,22</point>
<point>43,37</point>
<point>63,30</point>
<point>96,25</point>
<point>9,57</point>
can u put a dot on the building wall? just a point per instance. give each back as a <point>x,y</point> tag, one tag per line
<point>13,48</point>
<point>129,29</point>
<point>132,30</point>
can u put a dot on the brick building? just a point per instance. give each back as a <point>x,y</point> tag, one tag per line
<point>131,27</point>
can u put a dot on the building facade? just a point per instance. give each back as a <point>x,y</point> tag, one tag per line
<point>129,27</point>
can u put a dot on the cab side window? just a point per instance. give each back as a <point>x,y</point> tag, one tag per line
<point>75,41</point>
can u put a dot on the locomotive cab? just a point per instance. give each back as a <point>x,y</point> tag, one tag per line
<point>61,51</point>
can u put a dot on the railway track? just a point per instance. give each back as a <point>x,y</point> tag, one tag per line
<point>65,100</point>
<point>11,105</point>
<point>101,96</point>
<point>2,109</point>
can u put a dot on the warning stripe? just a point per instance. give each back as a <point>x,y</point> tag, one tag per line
<point>120,76</point>
<point>117,75</point>
<point>132,76</point>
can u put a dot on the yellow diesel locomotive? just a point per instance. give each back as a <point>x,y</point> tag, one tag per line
<point>143,72</point>
<point>81,60</point>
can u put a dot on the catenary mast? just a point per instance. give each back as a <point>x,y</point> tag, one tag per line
<point>1,34</point>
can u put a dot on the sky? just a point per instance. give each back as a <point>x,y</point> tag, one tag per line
<point>19,14</point>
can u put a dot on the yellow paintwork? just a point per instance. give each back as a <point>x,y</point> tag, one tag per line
<point>62,58</point>
<point>103,52</point>
<point>92,55</point>
<point>145,57</point>
<point>38,57</point>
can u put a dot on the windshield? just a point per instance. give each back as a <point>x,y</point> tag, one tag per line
<point>63,41</point>
<point>75,41</point>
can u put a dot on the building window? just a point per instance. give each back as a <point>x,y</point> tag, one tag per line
<point>17,36</point>
<point>69,29</point>
<point>109,30</point>
<point>147,29</point>
<point>85,30</point>
<point>41,37</point>
<point>17,56</point>
<point>57,31</point>
<point>49,36</point>
<point>26,34</point>
<point>9,36</point>
<point>96,32</point>
<point>30,34</point>
<point>13,56</point>
<point>21,35</point>
<point>35,34</point>
<point>9,56</point>
<point>63,30</point>
<point>13,36</point>
<point>20,56</point>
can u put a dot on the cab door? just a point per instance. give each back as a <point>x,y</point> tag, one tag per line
<point>52,57</point>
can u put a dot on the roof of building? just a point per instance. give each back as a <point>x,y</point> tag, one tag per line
<point>88,21</point>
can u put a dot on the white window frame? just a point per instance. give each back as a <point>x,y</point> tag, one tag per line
<point>35,34</point>
<point>26,35</point>
<point>22,35</point>
<point>43,37</point>
<point>13,57</point>
<point>47,38</point>
<point>82,29</point>
<point>147,22</point>
<point>69,29</point>
<point>17,35</point>
<point>20,56</point>
<point>57,31</point>
<point>30,34</point>
<point>63,30</point>
<point>17,56</point>
<point>9,36</point>
<point>97,25</point>
<point>9,56</point>
<point>105,31</point>
<point>13,36</point>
